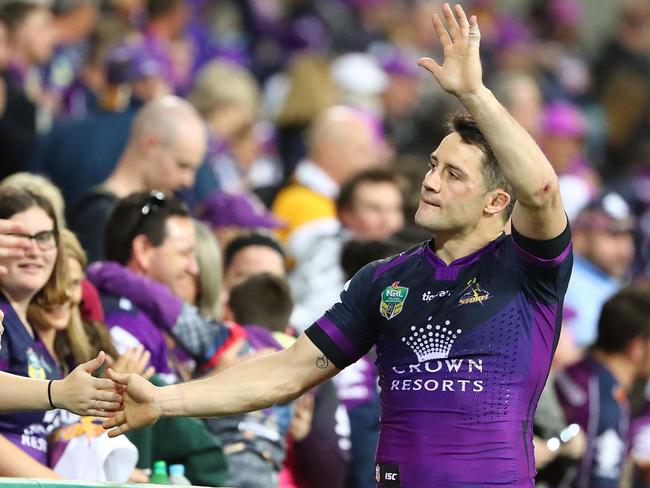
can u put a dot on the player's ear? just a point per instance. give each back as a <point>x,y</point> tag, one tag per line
<point>496,201</point>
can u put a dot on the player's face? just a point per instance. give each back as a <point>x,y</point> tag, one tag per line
<point>452,196</point>
<point>174,261</point>
<point>376,211</point>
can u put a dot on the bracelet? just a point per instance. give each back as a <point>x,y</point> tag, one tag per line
<point>49,393</point>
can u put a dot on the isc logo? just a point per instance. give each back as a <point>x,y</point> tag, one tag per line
<point>391,476</point>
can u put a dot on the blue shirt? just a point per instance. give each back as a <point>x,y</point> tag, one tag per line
<point>589,289</point>
<point>24,355</point>
<point>463,353</point>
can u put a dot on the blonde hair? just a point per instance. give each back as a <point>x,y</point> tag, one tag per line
<point>41,185</point>
<point>208,256</point>
<point>311,90</point>
<point>73,340</point>
<point>75,334</point>
<point>220,84</point>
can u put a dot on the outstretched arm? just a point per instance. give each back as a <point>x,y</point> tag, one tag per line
<point>538,213</point>
<point>252,385</point>
<point>79,392</point>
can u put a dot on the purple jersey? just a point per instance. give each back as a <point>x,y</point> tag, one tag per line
<point>23,355</point>
<point>463,352</point>
<point>592,398</point>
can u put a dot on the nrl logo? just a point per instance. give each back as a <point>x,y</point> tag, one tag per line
<point>392,300</point>
<point>473,293</point>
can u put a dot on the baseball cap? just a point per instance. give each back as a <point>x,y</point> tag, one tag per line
<point>224,209</point>
<point>608,212</point>
<point>129,62</point>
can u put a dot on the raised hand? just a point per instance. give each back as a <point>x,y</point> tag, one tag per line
<point>461,73</point>
<point>11,245</point>
<point>84,394</point>
<point>134,360</point>
<point>139,409</point>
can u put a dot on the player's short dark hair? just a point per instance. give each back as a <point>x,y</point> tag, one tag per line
<point>467,128</point>
<point>14,13</point>
<point>160,8</point>
<point>249,239</point>
<point>143,213</point>
<point>345,200</point>
<point>623,318</point>
<point>262,299</point>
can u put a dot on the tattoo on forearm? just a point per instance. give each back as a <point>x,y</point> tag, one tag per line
<point>322,362</point>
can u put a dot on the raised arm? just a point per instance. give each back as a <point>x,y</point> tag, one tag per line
<point>252,385</point>
<point>538,213</point>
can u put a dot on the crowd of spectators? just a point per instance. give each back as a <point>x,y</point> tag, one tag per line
<point>198,179</point>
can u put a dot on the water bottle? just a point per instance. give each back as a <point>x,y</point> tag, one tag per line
<point>177,475</point>
<point>159,476</point>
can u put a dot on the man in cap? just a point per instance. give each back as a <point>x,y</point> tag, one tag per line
<point>604,245</point>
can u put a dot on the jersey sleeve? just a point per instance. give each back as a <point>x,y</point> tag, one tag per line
<point>344,334</point>
<point>545,265</point>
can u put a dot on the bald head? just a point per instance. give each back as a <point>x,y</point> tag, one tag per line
<point>343,143</point>
<point>167,143</point>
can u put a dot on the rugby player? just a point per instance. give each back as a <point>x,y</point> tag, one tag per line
<point>464,325</point>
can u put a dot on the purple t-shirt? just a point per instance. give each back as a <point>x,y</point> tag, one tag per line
<point>463,352</point>
<point>24,355</point>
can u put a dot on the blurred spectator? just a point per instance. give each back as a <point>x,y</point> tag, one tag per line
<point>249,254</point>
<point>227,97</point>
<point>622,74</point>
<point>255,442</point>
<point>37,276</point>
<point>342,144</point>
<point>594,391</point>
<point>230,214</point>
<point>604,246</point>
<point>41,185</point>
<point>520,94</point>
<point>369,207</point>
<point>132,78</point>
<point>360,81</point>
<point>151,262</point>
<point>74,20</point>
<point>204,290</point>
<point>79,448</point>
<point>26,106</point>
<point>564,129</point>
<point>166,146</point>
<point>164,38</point>
<point>295,99</point>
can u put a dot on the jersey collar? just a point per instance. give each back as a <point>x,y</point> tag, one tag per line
<point>449,272</point>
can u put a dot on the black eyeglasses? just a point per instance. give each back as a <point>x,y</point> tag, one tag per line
<point>155,201</point>
<point>45,240</point>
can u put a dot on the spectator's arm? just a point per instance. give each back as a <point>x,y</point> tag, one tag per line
<point>16,463</point>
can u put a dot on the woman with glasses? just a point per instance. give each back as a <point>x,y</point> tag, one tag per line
<point>38,275</point>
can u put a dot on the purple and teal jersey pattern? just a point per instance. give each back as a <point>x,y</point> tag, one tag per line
<point>463,353</point>
<point>24,355</point>
<point>592,398</point>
